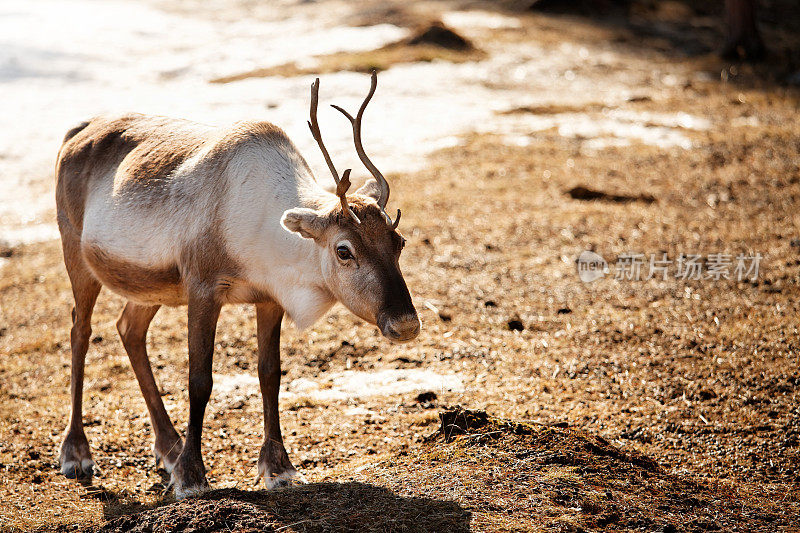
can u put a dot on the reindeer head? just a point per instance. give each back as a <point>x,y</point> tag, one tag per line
<point>360,243</point>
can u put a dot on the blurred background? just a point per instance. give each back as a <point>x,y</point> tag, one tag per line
<point>447,68</point>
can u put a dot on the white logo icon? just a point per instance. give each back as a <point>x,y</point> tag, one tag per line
<point>591,266</point>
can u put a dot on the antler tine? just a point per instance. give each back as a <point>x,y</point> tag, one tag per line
<point>356,122</point>
<point>343,184</point>
<point>341,192</point>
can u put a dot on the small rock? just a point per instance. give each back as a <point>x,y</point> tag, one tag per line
<point>426,397</point>
<point>516,324</point>
<point>706,394</point>
<point>608,519</point>
<point>585,193</point>
<point>437,34</point>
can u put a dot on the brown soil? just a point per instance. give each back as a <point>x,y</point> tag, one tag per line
<point>626,406</point>
<point>487,465</point>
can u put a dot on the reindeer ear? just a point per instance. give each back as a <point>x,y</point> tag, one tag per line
<point>370,189</point>
<point>305,222</point>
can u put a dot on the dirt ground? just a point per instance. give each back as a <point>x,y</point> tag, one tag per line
<point>618,405</point>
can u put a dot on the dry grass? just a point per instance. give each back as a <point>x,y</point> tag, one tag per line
<point>523,477</point>
<point>557,109</point>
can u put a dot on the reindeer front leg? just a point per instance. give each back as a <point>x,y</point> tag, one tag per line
<point>273,461</point>
<point>189,475</point>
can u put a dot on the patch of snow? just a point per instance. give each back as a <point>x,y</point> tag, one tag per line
<point>346,385</point>
<point>14,236</point>
<point>228,383</point>
<point>613,128</point>
<point>750,121</point>
<point>479,19</point>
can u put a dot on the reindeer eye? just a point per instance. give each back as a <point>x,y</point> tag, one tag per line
<point>343,253</point>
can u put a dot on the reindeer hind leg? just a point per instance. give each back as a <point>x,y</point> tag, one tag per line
<point>75,457</point>
<point>132,326</point>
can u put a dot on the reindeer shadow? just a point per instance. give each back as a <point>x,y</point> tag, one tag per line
<point>314,507</point>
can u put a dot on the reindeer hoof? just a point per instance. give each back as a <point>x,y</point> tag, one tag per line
<point>289,478</point>
<point>188,492</point>
<point>276,468</point>
<point>78,469</point>
<point>75,458</point>
<point>188,478</point>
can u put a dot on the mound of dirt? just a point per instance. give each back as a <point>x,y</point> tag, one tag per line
<point>437,34</point>
<point>514,475</point>
<point>574,447</point>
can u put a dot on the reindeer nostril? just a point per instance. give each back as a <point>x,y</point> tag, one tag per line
<point>403,328</point>
<point>412,325</point>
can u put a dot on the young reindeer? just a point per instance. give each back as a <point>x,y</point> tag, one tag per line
<point>169,212</point>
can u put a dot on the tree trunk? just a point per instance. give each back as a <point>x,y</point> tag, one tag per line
<point>744,41</point>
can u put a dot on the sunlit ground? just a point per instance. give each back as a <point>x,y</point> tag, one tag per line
<point>691,385</point>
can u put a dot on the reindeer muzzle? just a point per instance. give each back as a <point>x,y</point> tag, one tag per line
<point>399,328</point>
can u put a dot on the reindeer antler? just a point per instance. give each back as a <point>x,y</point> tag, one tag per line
<point>343,184</point>
<point>356,122</point>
